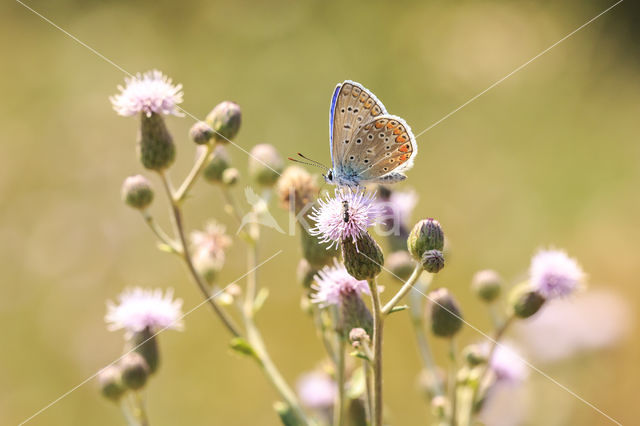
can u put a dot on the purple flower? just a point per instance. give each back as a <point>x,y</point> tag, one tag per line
<point>399,206</point>
<point>317,390</point>
<point>143,308</point>
<point>508,365</point>
<point>554,274</point>
<point>333,282</point>
<point>150,93</point>
<point>345,216</point>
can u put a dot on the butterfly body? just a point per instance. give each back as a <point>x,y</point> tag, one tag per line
<point>368,145</point>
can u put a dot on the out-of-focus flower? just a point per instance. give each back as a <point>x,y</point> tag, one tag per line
<point>296,188</point>
<point>445,315</point>
<point>137,192</point>
<point>211,242</point>
<point>345,216</point>
<point>566,327</point>
<point>507,364</point>
<point>265,164</point>
<point>317,390</point>
<point>225,119</point>
<point>152,92</point>
<point>332,283</point>
<point>397,207</point>
<point>487,285</point>
<point>554,274</point>
<point>140,308</point>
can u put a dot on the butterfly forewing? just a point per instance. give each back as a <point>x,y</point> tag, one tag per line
<point>353,107</point>
<point>383,145</point>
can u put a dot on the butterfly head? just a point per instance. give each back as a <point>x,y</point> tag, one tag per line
<point>329,177</point>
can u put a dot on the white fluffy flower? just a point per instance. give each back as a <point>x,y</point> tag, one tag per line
<point>507,364</point>
<point>152,92</point>
<point>316,390</point>
<point>140,308</point>
<point>332,282</point>
<point>554,274</point>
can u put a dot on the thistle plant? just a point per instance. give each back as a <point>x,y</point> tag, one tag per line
<point>339,271</point>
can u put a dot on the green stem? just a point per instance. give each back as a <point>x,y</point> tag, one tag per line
<point>141,412</point>
<point>193,175</point>
<point>125,406</point>
<point>186,256</point>
<point>338,409</point>
<point>367,381</point>
<point>417,271</point>
<point>377,353</point>
<point>453,371</point>
<point>159,232</point>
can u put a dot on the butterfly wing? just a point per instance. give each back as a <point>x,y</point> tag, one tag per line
<point>352,105</point>
<point>382,150</point>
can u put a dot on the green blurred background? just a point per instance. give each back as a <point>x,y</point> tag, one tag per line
<point>550,156</point>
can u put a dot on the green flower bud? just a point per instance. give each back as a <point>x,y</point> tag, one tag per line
<point>474,355</point>
<point>425,235</point>
<point>354,314</point>
<point>487,285</point>
<point>201,133</point>
<point>225,119</point>
<point>230,176</point>
<point>305,273</point>
<point>265,164</point>
<point>135,371</point>
<point>155,144</point>
<point>433,261</point>
<point>110,380</point>
<point>363,259</point>
<point>525,301</point>
<point>137,192</point>
<point>146,345</point>
<point>401,265</point>
<point>315,253</point>
<point>214,171</point>
<point>446,319</point>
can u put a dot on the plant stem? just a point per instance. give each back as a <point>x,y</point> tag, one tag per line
<point>193,175</point>
<point>159,232</point>
<point>186,256</point>
<point>377,353</point>
<point>141,412</point>
<point>367,382</point>
<point>453,380</point>
<point>417,271</point>
<point>125,406</point>
<point>338,408</point>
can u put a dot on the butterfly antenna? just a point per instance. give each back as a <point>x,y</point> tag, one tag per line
<point>314,161</point>
<point>304,162</point>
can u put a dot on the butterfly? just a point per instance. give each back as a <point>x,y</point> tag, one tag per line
<point>368,145</point>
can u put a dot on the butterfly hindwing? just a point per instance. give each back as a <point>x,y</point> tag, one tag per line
<point>382,149</point>
<point>352,106</point>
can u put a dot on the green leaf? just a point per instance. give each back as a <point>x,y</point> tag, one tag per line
<point>286,414</point>
<point>262,295</point>
<point>359,354</point>
<point>243,347</point>
<point>398,308</point>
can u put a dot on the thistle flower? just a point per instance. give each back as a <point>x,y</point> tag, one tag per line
<point>507,364</point>
<point>396,207</point>
<point>152,92</point>
<point>332,283</point>
<point>317,390</point>
<point>554,274</point>
<point>211,242</point>
<point>142,308</point>
<point>296,188</point>
<point>331,226</point>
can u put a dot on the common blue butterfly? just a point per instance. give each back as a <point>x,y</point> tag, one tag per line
<point>367,144</point>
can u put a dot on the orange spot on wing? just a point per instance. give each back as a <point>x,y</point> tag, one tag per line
<point>401,139</point>
<point>397,131</point>
<point>379,124</point>
<point>368,104</point>
<point>390,125</point>
<point>363,97</point>
<point>403,158</point>
<point>403,148</point>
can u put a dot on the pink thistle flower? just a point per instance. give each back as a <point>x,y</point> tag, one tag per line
<point>316,390</point>
<point>508,365</point>
<point>152,92</point>
<point>554,274</point>
<point>144,308</point>
<point>333,225</point>
<point>332,283</point>
<point>211,242</point>
<point>399,206</point>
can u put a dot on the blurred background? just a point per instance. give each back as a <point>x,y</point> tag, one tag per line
<point>549,157</point>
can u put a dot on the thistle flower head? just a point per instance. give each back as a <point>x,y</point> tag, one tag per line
<point>296,188</point>
<point>316,390</point>
<point>507,364</point>
<point>345,216</point>
<point>332,283</point>
<point>140,308</point>
<point>152,92</point>
<point>554,274</point>
<point>211,242</point>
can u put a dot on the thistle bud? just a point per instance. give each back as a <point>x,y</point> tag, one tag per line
<point>296,188</point>
<point>446,319</point>
<point>358,336</point>
<point>487,285</point>
<point>525,301</point>
<point>110,380</point>
<point>155,144</point>
<point>363,259</point>
<point>401,265</point>
<point>305,273</point>
<point>265,164</point>
<point>135,371</point>
<point>137,192</point>
<point>225,120</point>
<point>474,355</point>
<point>201,133</point>
<point>230,176</point>
<point>433,261</point>
<point>425,235</point>
<point>214,171</point>
<point>354,314</point>
<point>146,345</point>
